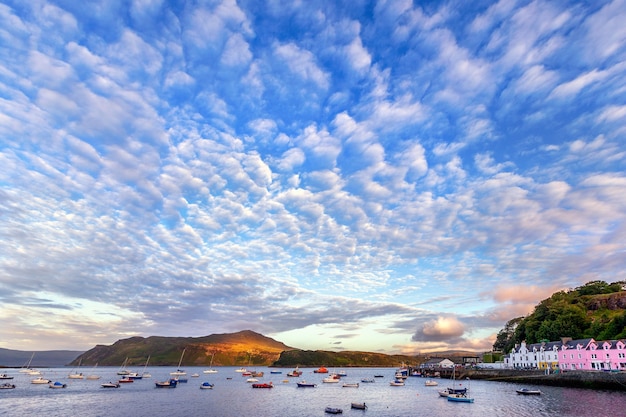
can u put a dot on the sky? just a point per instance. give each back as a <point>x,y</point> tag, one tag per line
<point>391,176</point>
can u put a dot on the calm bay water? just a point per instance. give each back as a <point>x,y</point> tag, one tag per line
<point>236,397</point>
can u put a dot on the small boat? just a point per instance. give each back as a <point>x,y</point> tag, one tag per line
<point>276,372</point>
<point>110,385</point>
<point>342,373</point>
<point>93,377</point>
<point>57,384</point>
<point>526,391</point>
<point>431,383</point>
<point>5,376</point>
<point>123,370</point>
<point>210,370</point>
<point>126,380</point>
<point>76,376</point>
<point>321,370</point>
<point>304,384</point>
<point>368,380</point>
<point>134,375</point>
<point>252,380</point>
<point>379,376</point>
<point>240,370</point>
<point>170,383</point>
<point>296,372</point>
<point>206,385</point>
<point>178,371</point>
<point>397,383</point>
<point>460,398</point>
<point>330,380</point>
<point>263,385</point>
<point>40,380</point>
<point>333,410</point>
<point>351,385</point>
<point>7,385</point>
<point>358,406</point>
<point>257,374</point>
<point>195,375</point>
<point>181,380</point>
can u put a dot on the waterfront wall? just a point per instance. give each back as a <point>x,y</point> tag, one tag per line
<point>575,379</point>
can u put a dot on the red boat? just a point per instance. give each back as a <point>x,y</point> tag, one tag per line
<point>321,370</point>
<point>263,385</point>
<point>125,380</point>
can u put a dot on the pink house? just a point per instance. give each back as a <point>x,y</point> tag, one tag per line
<point>587,354</point>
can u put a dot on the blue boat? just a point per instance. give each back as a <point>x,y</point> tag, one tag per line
<point>171,383</point>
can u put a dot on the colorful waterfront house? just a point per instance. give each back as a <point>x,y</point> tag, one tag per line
<point>522,357</point>
<point>609,355</point>
<point>547,355</point>
<point>577,354</point>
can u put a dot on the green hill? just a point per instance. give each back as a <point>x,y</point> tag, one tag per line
<point>313,358</point>
<point>595,310</point>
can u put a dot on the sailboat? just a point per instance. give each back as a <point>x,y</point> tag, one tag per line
<point>180,372</point>
<point>144,373</point>
<point>210,370</point>
<point>123,370</point>
<point>93,376</point>
<point>76,374</point>
<point>26,368</point>
<point>458,394</point>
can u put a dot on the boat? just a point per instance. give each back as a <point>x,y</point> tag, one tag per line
<point>342,373</point>
<point>5,376</point>
<point>252,380</point>
<point>206,385</point>
<point>304,384</point>
<point>358,406</point>
<point>460,398</point>
<point>257,374</point>
<point>240,370</point>
<point>170,383</point>
<point>195,375</point>
<point>333,410</point>
<point>276,372</point>
<point>379,376</point>
<point>368,380</point>
<point>110,385</point>
<point>457,394</point>
<point>145,374</point>
<point>431,383</point>
<point>296,372</point>
<point>126,380</point>
<point>57,384</point>
<point>321,370</point>
<point>178,371</point>
<point>7,385</point>
<point>134,375</point>
<point>351,385</point>
<point>397,383</point>
<point>526,391</point>
<point>181,379</point>
<point>75,374</point>
<point>263,385</point>
<point>123,370</point>
<point>40,380</point>
<point>330,379</point>
<point>210,370</point>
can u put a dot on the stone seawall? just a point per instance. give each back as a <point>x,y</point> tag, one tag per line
<point>576,379</point>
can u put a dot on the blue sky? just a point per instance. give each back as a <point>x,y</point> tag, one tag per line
<point>389,176</point>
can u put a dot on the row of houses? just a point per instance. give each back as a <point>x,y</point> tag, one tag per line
<point>568,354</point>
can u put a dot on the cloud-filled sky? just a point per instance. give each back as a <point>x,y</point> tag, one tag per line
<point>393,175</point>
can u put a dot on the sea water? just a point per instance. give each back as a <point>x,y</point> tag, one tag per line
<point>232,395</point>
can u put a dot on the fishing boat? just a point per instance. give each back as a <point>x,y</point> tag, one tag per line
<point>206,385</point>
<point>5,376</point>
<point>170,383</point>
<point>40,380</point>
<point>330,380</point>
<point>57,384</point>
<point>358,406</point>
<point>333,410</point>
<point>263,385</point>
<point>110,385</point>
<point>7,385</point>
<point>296,372</point>
<point>178,371</point>
<point>431,383</point>
<point>304,384</point>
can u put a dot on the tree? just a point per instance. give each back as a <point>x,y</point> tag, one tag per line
<point>505,339</point>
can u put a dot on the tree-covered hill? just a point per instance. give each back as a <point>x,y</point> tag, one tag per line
<point>595,310</point>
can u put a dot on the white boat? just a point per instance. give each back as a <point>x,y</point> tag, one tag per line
<point>145,374</point>
<point>397,383</point>
<point>526,391</point>
<point>75,374</point>
<point>5,376</point>
<point>7,385</point>
<point>210,370</point>
<point>351,385</point>
<point>240,370</point>
<point>123,370</point>
<point>252,380</point>
<point>110,385</point>
<point>195,375</point>
<point>26,368</point>
<point>178,371</point>
<point>57,384</point>
<point>40,380</point>
<point>92,376</point>
<point>431,383</point>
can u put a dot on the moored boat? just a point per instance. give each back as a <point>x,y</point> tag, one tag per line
<point>206,385</point>
<point>526,391</point>
<point>358,406</point>
<point>431,383</point>
<point>57,384</point>
<point>351,385</point>
<point>126,380</point>
<point>7,385</point>
<point>170,383</point>
<point>321,370</point>
<point>333,410</point>
<point>263,385</point>
<point>460,398</point>
<point>296,372</point>
<point>40,380</point>
<point>5,376</point>
<point>304,384</point>
<point>397,383</point>
<point>110,385</point>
